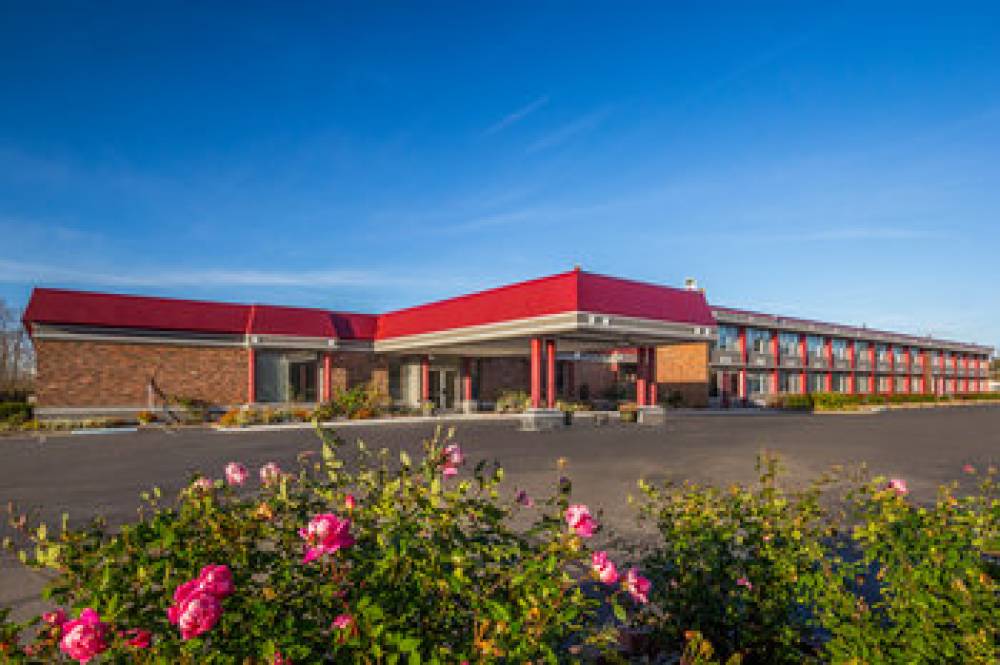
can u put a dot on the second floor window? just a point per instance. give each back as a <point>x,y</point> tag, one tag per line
<point>840,349</point>
<point>815,345</point>
<point>729,338</point>
<point>758,341</point>
<point>882,353</point>
<point>789,345</point>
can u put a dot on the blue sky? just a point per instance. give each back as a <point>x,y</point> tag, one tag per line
<point>831,160</point>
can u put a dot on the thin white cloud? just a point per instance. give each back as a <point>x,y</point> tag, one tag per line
<point>517,116</point>
<point>17,272</point>
<point>568,131</point>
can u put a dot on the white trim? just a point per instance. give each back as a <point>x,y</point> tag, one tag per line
<point>613,326</point>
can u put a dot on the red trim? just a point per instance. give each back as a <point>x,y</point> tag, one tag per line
<point>425,379</point>
<point>652,376</point>
<point>327,377</point>
<point>536,372</point>
<point>467,379</point>
<point>640,377</point>
<point>251,376</point>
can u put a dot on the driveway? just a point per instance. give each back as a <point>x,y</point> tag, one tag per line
<point>103,474</point>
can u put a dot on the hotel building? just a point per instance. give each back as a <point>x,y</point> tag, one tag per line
<point>573,336</point>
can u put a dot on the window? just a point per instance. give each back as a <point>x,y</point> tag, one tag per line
<point>862,384</point>
<point>839,383</point>
<point>817,383</point>
<point>758,341</point>
<point>789,345</point>
<point>840,349</point>
<point>281,376</point>
<point>790,382</point>
<point>917,384</point>
<point>882,353</point>
<point>758,383</point>
<point>899,354</point>
<point>901,383</point>
<point>729,338</point>
<point>815,345</point>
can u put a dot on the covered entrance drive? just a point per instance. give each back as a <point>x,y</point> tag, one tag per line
<point>557,337</point>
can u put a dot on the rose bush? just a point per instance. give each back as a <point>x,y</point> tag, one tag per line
<point>386,560</point>
<point>765,575</point>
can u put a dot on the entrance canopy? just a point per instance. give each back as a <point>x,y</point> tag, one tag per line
<point>585,311</point>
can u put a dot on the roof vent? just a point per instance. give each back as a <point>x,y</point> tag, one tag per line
<point>690,284</point>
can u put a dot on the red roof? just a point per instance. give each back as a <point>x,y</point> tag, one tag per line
<point>565,292</point>
<point>106,310</point>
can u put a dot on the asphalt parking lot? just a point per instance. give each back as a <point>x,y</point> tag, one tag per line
<point>103,474</point>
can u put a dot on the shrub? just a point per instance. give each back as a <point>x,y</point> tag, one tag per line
<point>365,399</point>
<point>403,560</point>
<point>145,417</point>
<point>628,412</point>
<point>11,410</point>
<point>772,576</point>
<point>196,410</point>
<point>512,401</point>
<point>735,564</point>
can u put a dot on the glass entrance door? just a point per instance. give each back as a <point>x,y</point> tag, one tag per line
<point>442,387</point>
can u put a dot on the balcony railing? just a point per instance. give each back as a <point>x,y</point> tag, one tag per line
<point>758,359</point>
<point>900,368</point>
<point>818,362</point>
<point>790,361</point>
<point>863,365</point>
<point>883,366</point>
<point>950,370</point>
<point>842,364</point>
<point>726,357</point>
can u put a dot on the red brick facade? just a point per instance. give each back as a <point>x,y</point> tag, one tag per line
<point>103,374</point>
<point>683,368</point>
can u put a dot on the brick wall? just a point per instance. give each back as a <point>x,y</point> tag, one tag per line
<point>683,368</point>
<point>597,376</point>
<point>83,374</point>
<point>499,374</point>
<point>350,369</point>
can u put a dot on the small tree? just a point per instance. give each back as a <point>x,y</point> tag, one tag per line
<point>17,362</point>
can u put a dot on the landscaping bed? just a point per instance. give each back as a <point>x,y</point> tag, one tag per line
<point>371,556</point>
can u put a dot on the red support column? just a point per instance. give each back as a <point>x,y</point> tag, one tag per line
<point>804,359</point>
<point>467,379</point>
<point>425,379</point>
<point>776,354</point>
<point>327,377</point>
<point>651,366</point>
<point>828,352</point>
<point>251,375</point>
<point>743,362</point>
<point>536,373</point>
<point>640,376</point>
<point>550,373</point>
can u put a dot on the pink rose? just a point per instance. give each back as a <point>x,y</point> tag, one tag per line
<point>84,638</point>
<point>898,485</point>
<point>637,586</point>
<point>56,617</point>
<point>603,568</point>
<point>325,534</point>
<point>342,621</point>
<point>216,580</point>
<point>198,614</point>
<point>453,458</point>
<point>280,660</point>
<point>270,473</point>
<point>138,638</point>
<point>349,502</point>
<point>969,469</point>
<point>579,519</point>
<point>745,583</point>
<point>522,498</point>
<point>204,484</point>
<point>236,474</point>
